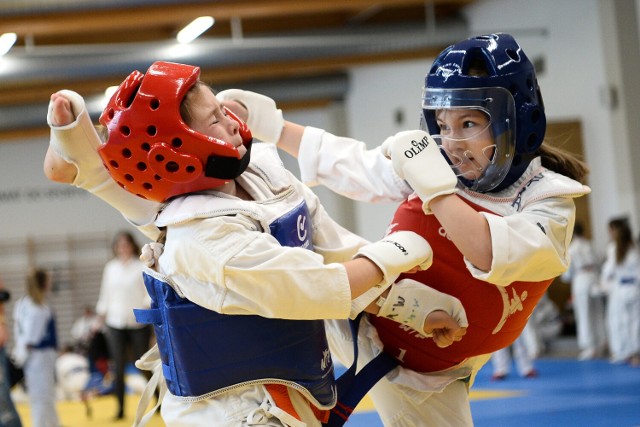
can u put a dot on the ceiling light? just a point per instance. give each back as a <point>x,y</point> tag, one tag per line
<point>7,40</point>
<point>108,93</point>
<point>194,29</point>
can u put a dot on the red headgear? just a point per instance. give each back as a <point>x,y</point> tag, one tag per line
<point>150,151</point>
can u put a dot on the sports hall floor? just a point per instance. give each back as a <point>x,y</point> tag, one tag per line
<point>566,393</point>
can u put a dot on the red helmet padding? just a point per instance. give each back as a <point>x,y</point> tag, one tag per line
<point>150,150</point>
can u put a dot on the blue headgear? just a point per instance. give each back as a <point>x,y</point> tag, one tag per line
<point>507,91</point>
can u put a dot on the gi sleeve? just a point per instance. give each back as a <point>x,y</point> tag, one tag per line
<point>227,265</point>
<point>347,167</point>
<point>530,245</point>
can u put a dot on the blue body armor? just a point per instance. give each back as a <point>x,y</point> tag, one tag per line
<point>204,352</point>
<point>50,338</point>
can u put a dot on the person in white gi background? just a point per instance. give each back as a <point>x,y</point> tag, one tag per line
<point>588,304</point>
<point>621,276</point>
<point>36,345</point>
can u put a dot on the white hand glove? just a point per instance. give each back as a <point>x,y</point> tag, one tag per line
<point>410,302</point>
<point>416,158</point>
<point>265,120</point>
<point>78,142</point>
<point>398,252</point>
<point>150,253</point>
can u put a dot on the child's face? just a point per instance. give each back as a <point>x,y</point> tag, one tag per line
<point>209,118</point>
<point>467,140</point>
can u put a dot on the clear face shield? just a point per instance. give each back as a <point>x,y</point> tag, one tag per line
<point>475,131</point>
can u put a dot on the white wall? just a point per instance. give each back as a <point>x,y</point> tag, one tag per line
<point>377,95</point>
<point>32,206</point>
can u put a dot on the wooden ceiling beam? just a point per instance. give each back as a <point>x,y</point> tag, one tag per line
<point>33,93</point>
<point>106,21</point>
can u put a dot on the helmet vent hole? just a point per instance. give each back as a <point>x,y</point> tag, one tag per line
<point>128,178</point>
<point>126,153</point>
<point>159,158</point>
<point>513,54</point>
<point>176,143</point>
<point>154,104</point>
<point>535,116</point>
<point>114,164</point>
<point>145,146</point>
<point>190,169</point>
<point>110,113</point>
<point>172,167</point>
<point>147,186</point>
<point>125,131</point>
<point>532,140</point>
<point>142,166</point>
<point>152,131</point>
<point>157,177</point>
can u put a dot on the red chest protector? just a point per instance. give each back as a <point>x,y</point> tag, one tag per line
<point>497,315</point>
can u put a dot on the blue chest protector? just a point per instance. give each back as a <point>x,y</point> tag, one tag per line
<point>204,353</point>
<point>50,338</point>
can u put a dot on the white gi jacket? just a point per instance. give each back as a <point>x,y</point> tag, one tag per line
<point>623,304</point>
<point>220,255</point>
<point>345,166</point>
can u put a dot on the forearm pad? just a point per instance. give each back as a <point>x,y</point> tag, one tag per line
<point>77,143</point>
<point>410,302</point>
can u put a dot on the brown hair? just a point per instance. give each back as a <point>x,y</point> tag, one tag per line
<point>622,237</point>
<point>37,280</point>
<point>129,238</point>
<point>563,162</point>
<point>185,105</point>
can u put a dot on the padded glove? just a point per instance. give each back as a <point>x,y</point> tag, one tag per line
<point>410,302</point>
<point>417,159</point>
<point>398,252</point>
<point>265,120</point>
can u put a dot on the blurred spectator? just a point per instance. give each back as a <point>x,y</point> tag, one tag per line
<point>36,348</point>
<point>121,291</point>
<point>524,353</point>
<point>621,274</point>
<point>83,329</point>
<point>588,305</point>
<point>8,414</point>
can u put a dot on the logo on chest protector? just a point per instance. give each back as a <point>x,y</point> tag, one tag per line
<point>302,227</point>
<point>293,228</point>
